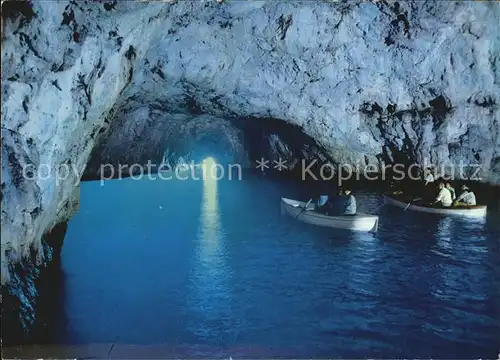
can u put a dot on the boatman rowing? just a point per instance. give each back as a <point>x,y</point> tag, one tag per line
<point>444,197</point>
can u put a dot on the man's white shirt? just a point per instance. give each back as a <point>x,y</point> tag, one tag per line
<point>444,197</point>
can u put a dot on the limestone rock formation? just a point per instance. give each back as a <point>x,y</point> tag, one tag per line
<point>369,81</point>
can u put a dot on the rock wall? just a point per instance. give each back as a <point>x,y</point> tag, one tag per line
<point>375,81</point>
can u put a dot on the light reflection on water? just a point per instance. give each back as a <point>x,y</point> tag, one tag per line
<point>210,227</point>
<point>217,267</point>
<point>210,276</point>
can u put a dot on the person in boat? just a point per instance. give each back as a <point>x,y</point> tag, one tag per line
<point>452,191</point>
<point>444,196</point>
<point>467,197</point>
<point>336,203</point>
<point>426,191</point>
<point>350,203</point>
<point>321,200</point>
<point>322,204</point>
<point>428,177</point>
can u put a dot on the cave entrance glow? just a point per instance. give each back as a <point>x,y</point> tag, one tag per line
<point>210,171</point>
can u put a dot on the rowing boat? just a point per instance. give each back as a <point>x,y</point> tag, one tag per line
<point>358,222</point>
<point>470,211</point>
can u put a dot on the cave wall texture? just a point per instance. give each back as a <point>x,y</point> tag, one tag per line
<point>376,81</point>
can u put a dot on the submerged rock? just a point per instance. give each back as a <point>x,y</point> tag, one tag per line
<point>374,82</point>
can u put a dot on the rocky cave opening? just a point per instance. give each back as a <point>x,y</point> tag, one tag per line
<point>138,136</point>
<point>122,83</point>
<point>148,135</point>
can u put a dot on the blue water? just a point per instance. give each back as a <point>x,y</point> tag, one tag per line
<point>213,268</point>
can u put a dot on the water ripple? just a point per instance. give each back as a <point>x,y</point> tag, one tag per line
<point>230,275</point>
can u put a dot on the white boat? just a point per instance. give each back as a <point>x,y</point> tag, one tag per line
<point>358,222</point>
<point>470,211</point>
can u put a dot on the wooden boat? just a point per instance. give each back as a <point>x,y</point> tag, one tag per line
<point>358,222</point>
<point>417,205</point>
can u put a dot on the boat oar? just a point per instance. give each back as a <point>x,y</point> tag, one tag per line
<point>407,206</point>
<point>303,209</point>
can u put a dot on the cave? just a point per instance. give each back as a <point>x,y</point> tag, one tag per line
<point>175,139</point>
<point>309,244</point>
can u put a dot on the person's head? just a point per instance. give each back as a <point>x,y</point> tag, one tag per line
<point>427,171</point>
<point>465,187</point>
<point>347,191</point>
<point>441,185</point>
<point>448,185</point>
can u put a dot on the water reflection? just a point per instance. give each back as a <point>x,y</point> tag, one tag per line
<point>210,221</point>
<point>232,278</point>
<point>461,276</point>
<point>443,233</point>
<point>363,260</point>
<point>493,221</point>
<point>209,279</point>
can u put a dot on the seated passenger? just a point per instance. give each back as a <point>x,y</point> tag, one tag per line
<point>467,197</point>
<point>337,203</point>
<point>322,205</point>
<point>428,177</point>
<point>444,196</point>
<point>350,204</point>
